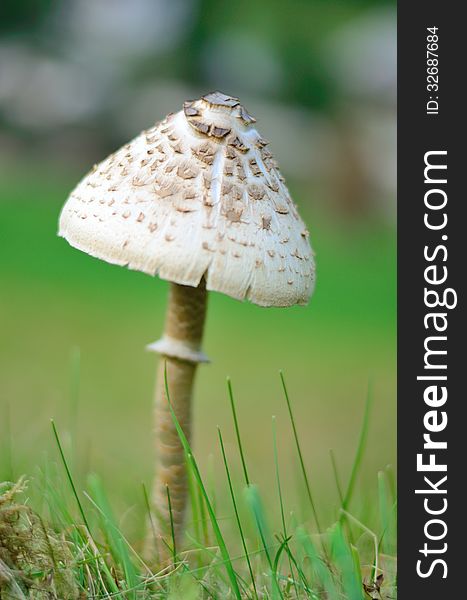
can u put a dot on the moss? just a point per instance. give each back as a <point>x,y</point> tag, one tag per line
<point>35,563</point>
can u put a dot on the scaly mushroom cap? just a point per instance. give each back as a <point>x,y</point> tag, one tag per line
<point>199,194</point>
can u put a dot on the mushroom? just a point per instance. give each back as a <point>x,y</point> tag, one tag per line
<point>199,200</point>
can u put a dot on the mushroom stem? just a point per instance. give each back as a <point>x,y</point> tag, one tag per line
<point>180,349</point>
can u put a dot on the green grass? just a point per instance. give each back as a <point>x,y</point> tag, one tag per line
<point>238,553</point>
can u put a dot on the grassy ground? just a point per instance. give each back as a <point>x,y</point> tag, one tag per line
<point>80,551</point>
<point>73,331</point>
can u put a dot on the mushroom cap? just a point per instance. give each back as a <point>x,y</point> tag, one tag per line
<point>197,195</point>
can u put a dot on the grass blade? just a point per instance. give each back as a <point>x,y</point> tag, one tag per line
<point>237,516</point>
<point>339,491</point>
<point>359,453</point>
<point>318,566</point>
<point>237,430</point>
<point>86,539</point>
<point>373,536</point>
<point>116,543</point>
<point>391,481</point>
<point>383,509</point>
<point>303,581</point>
<point>147,506</point>
<point>69,477</point>
<point>345,561</point>
<point>299,451</point>
<point>336,476</point>
<point>281,501</point>
<point>203,518</point>
<point>172,529</point>
<point>253,499</point>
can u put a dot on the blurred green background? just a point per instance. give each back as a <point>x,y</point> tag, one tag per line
<point>77,80</point>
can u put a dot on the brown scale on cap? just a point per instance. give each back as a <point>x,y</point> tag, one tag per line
<point>238,144</point>
<point>256,192</point>
<point>240,170</point>
<point>254,167</point>
<point>230,153</point>
<point>187,171</point>
<point>205,153</point>
<point>234,215</point>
